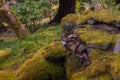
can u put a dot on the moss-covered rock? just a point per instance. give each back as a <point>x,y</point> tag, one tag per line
<point>4,53</point>
<point>7,75</point>
<point>56,56</point>
<point>105,15</point>
<point>104,66</point>
<point>38,68</point>
<point>104,63</point>
<point>89,34</point>
<point>100,37</point>
<point>71,18</point>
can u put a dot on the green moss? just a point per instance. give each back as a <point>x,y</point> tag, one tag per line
<point>72,65</point>
<point>100,37</point>
<point>38,68</point>
<point>7,75</point>
<point>96,71</point>
<point>115,66</point>
<point>104,66</point>
<point>4,53</point>
<point>73,18</point>
<point>59,49</point>
<point>105,15</point>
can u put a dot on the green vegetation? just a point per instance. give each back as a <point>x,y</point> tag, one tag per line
<point>105,15</point>
<point>31,10</point>
<point>104,67</point>
<point>7,75</point>
<point>38,68</point>
<point>41,56</point>
<point>20,50</point>
<point>99,37</point>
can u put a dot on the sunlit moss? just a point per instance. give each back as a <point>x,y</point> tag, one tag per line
<point>98,69</point>
<point>104,66</point>
<point>105,15</point>
<point>73,18</point>
<point>115,66</point>
<point>4,53</point>
<point>7,75</point>
<point>100,37</point>
<point>38,68</point>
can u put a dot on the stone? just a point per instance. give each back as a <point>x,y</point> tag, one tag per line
<point>105,46</point>
<point>117,46</point>
<point>91,21</point>
<point>93,46</point>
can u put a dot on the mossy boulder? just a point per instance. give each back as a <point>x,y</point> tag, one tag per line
<point>7,75</point>
<point>105,36</point>
<point>104,63</point>
<point>4,54</point>
<point>105,15</point>
<point>104,66</point>
<point>38,68</point>
<point>99,37</point>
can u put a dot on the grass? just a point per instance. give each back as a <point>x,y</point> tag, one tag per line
<point>38,68</point>
<point>20,50</point>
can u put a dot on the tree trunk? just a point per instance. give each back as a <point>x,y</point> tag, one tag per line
<point>12,2</point>
<point>7,15</point>
<point>117,1</point>
<point>65,7</point>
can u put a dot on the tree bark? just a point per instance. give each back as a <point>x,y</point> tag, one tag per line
<point>117,1</point>
<point>65,7</point>
<point>7,15</point>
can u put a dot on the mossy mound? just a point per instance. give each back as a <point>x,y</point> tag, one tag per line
<point>73,18</point>
<point>105,15</point>
<point>56,56</point>
<point>38,68</point>
<point>104,66</point>
<point>3,53</point>
<point>7,75</point>
<point>100,37</point>
<point>107,35</point>
<point>104,63</point>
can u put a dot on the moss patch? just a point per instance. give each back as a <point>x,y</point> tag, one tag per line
<point>105,15</point>
<point>4,53</point>
<point>104,66</point>
<point>100,37</point>
<point>38,68</point>
<point>7,75</point>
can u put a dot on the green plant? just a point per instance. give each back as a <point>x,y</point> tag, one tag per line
<point>30,10</point>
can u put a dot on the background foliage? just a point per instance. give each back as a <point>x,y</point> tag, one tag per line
<point>29,10</point>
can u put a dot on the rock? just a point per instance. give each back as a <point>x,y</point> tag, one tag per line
<point>117,46</point>
<point>105,46</point>
<point>93,46</point>
<point>116,23</point>
<point>91,21</point>
<point>38,68</point>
